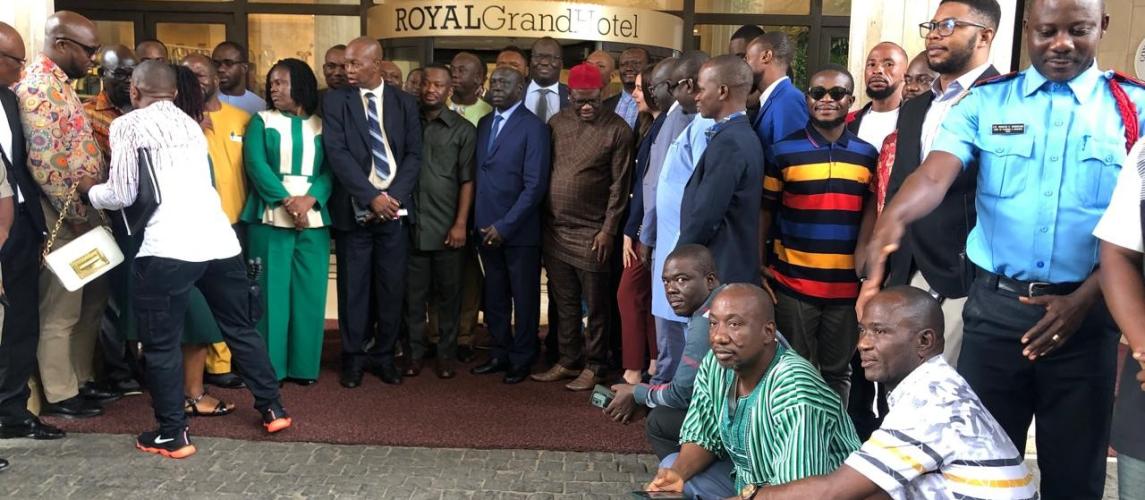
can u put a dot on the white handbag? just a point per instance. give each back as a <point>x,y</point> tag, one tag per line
<point>85,258</point>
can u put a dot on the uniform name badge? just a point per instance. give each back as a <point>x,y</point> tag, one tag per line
<point>1008,129</point>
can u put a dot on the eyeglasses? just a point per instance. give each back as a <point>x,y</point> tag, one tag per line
<point>19,61</point>
<point>545,58</point>
<point>580,103</point>
<point>923,80</point>
<point>836,93</point>
<point>688,81</point>
<point>944,27</point>
<point>222,63</point>
<point>655,86</point>
<point>88,49</point>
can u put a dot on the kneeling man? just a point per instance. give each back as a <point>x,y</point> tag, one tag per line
<point>938,440</point>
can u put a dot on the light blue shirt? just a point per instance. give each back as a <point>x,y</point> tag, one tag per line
<point>683,155</point>
<point>673,126</point>
<point>249,101</point>
<point>626,108</point>
<point>1049,155</point>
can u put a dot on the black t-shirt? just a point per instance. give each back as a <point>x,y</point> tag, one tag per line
<point>1129,412</point>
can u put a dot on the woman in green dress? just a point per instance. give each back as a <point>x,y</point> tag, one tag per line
<point>287,219</point>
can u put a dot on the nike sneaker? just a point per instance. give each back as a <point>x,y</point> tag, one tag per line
<point>170,445</point>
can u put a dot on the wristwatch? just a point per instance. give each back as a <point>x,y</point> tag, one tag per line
<point>748,491</point>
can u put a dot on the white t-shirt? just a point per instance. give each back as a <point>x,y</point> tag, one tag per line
<point>876,126</point>
<point>1121,224</point>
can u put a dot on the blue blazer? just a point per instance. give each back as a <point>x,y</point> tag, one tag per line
<point>512,177</point>
<point>720,208</point>
<point>346,142</point>
<point>784,112</point>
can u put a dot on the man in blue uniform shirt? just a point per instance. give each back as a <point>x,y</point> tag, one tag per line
<point>1049,142</point>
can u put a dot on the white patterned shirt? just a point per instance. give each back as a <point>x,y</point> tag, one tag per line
<point>189,225</point>
<point>939,442</point>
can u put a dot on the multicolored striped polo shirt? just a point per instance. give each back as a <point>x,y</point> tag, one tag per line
<point>817,190</point>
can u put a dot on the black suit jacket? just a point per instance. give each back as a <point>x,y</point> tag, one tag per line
<point>346,141</point>
<point>30,211</point>
<point>720,208</point>
<point>935,245</point>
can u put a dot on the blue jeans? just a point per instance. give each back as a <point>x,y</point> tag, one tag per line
<point>670,344</point>
<point>714,483</point>
<point>1130,478</point>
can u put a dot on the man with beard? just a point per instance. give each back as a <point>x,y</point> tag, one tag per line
<point>61,151</point>
<point>587,198</point>
<point>115,67</point>
<point>632,60</point>
<point>442,200</point>
<point>886,65</point>
<point>817,185</point>
<point>1038,343</point>
<point>918,77</point>
<point>756,403</point>
<point>231,60</point>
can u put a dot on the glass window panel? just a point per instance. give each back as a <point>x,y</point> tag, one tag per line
<point>640,4</point>
<point>311,2</point>
<point>279,36</point>
<point>713,39</point>
<point>794,7</point>
<point>115,33</point>
<point>837,7</point>
<point>183,39</point>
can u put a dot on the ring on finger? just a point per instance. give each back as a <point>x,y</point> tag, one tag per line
<point>1056,338</point>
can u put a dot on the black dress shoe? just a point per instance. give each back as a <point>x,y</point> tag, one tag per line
<point>224,380</point>
<point>304,382</point>
<point>91,392</point>
<point>127,387</point>
<point>74,407</point>
<point>389,374</point>
<point>351,378</point>
<point>516,376</point>
<point>32,428</point>
<point>465,354</point>
<point>413,369</point>
<point>444,369</point>
<point>491,366</point>
<point>3,464</point>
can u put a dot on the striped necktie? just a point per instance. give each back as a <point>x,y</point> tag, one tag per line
<point>377,146</point>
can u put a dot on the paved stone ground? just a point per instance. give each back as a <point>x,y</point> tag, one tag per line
<point>106,466</point>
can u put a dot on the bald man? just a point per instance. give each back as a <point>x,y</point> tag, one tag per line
<point>886,65</point>
<point>373,141</point>
<point>61,150</point>
<point>20,260</point>
<point>606,64</point>
<point>151,50</point>
<point>392,75</point>
<point>720,207</point>
<point>938,441</point>
<point>188,242</point>
<point>783,424</point>
<point>115,66</point>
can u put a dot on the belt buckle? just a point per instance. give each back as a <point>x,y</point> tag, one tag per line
<point>1032,288</point>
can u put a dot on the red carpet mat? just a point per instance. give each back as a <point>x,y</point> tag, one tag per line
<point>465,412</point>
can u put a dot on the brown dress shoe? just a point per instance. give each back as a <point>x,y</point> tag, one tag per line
<point>585,381</point>
<point>557,372</point>
<point>444,369</point>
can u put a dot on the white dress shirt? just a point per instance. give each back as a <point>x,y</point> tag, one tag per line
<point>533,95</point>
<point>768,91</point>
<point>943,101</point>
<point>375,179</point>
<point>190,224</point>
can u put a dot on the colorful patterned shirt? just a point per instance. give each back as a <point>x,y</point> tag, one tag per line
<point>790,427</point>
<point>100,112</point>
<point>817,189</point>
<point>61,147</point>
<point>939,442</point>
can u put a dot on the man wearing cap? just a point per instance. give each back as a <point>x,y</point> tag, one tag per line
<point>592,151</point>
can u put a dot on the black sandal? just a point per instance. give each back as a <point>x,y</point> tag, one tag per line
<point>192,407</point>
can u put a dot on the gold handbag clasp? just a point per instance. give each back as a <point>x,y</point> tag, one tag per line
<point>89,263</point>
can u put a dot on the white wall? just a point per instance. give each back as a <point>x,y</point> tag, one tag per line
<point>28,16</point>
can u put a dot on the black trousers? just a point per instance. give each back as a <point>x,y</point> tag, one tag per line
<point>119,363</point>
<point>434,278</point>
<point>662,428</point>
<point>371,258</point>
<point>20,260</point>
<point>572,287</point>
<point>1069,392</point>
<point>162,288</point>
<point>513,284</point>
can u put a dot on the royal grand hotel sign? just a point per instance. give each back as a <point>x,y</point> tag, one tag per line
<point>525,19</point>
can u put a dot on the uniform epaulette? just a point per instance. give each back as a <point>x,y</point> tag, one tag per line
<point>1123,78</point>
<point>996,79</point>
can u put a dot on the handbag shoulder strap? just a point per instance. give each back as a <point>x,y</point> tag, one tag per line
<point>59,222</point>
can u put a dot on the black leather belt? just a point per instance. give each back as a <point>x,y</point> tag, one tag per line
<point>1025,288</point>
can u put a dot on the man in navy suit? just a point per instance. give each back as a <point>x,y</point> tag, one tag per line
<point>512,176</point>
<point>782,110</point>
<point>20,260</point>
<point>546,95</point>
<point>372,140</point>
<point>720,208</point>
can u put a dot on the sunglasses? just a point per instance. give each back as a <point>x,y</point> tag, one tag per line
<point>88,49</point>
<point>836,93</point>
